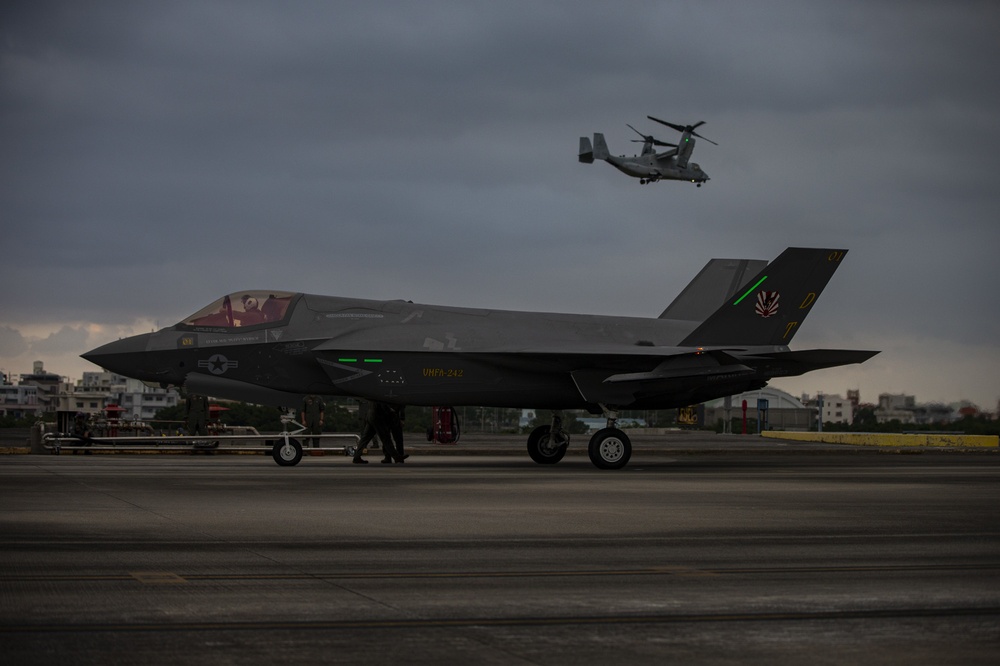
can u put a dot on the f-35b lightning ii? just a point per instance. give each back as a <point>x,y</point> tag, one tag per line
<point>274,347</point>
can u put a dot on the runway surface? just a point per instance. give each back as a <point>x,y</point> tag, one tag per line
<point>743,558</point>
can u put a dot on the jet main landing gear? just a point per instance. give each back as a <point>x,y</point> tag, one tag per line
<point>609,448</point>
<point>547,444</point>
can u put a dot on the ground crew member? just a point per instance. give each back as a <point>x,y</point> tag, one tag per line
<point>312,417</point>
<point>375,421</point>
<point>197,414</point>
<point>81,431</point>
<point>397,414</point>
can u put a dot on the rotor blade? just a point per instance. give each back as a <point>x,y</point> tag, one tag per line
<point>679,128</point>
<point>693,133</point>
<point>685,128</point>
<point>644,137</point>
<point>655,142</point>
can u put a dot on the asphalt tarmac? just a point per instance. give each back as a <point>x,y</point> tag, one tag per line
<point>741,555</point>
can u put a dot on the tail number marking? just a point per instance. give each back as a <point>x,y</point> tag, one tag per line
<point>447,373</point>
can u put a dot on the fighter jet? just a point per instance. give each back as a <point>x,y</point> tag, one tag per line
<point>274,347</point>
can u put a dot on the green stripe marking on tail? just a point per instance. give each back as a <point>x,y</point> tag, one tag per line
<point>749,290</point>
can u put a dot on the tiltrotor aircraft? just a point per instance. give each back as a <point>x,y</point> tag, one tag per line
<point>727,332</point>
<point>650,166</point>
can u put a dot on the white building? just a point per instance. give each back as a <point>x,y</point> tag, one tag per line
<point>138,400</point>
<point>19,401</point>
<point>837,409</point>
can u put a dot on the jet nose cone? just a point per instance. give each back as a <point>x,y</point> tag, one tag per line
<point>120,355</point>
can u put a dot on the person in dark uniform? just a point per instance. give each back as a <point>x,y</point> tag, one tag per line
<point>197,414</point>
<point>397,414</point>
<point>81,430</point>
<point>312,417</point>
<point>375,421</point>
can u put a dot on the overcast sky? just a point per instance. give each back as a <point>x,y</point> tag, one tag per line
<point>156,155</point>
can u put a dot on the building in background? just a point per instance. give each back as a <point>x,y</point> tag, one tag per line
<point>42,392</point>
<point>784,412</point>
<point>139,401</point>
<point>19,401</point>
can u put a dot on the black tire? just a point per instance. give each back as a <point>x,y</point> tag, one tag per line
<point>610,448</point>
<point>542,451</point>
<point>287,455</point>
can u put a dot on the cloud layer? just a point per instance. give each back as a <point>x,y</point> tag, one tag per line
<point>159,155</point>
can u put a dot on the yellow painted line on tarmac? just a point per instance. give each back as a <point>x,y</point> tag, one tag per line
<point>888,439</point>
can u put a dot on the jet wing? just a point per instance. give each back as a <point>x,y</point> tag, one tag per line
<point>604,377</point>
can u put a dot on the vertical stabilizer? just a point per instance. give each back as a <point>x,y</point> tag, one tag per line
<point>601,151</point>
<point>586,154</point>
<point>771,307</point>
<point>713,286</point>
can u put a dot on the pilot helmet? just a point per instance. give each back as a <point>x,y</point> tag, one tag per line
<point>250,303</point>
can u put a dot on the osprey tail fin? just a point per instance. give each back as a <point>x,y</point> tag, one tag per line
<point>601,151</point>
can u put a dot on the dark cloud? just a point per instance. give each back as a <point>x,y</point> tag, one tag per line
<point>165,153</point>
<point>66,340</point>
<point>12,343</point>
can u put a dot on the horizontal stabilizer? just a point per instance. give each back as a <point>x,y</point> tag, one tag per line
<point>816,359</point>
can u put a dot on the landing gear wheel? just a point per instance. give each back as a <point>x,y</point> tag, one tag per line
<point>610,448</point>
<point>543,450</point>
<point>287,453</point>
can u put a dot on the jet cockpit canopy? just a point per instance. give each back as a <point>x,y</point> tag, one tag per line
<point>242,309</point>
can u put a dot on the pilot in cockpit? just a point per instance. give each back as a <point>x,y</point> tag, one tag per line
<point>251,312</point>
